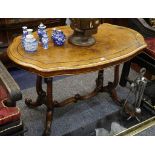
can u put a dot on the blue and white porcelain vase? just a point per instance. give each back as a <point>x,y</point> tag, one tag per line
<point>41,31</point>
<point>30,44</point>
<point>25,32</point>
<point>58,37</point>
<point>45,41</point>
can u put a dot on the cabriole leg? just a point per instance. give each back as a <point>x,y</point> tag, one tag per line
<point>41,99</point>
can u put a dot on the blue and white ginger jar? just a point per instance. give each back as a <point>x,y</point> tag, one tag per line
<point>58,37</point>
<point>31,44</point>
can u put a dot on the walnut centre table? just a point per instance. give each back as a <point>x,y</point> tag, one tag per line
<point>114,45</point>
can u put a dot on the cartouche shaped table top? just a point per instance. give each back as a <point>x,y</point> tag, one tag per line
<point>114,45</point>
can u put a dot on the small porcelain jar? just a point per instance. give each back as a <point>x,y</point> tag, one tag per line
<point>25,32</point>
<point>45,41</point>
<point>41,31</point>
<point>31,44</point>
<point>58,37</point>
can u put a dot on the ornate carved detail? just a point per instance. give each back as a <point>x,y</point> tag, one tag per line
<point>110,88</point>
<point>41,99</point>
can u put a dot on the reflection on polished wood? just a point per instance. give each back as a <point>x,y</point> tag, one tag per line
<point>114,45</point>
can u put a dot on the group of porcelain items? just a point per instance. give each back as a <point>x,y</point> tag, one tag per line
<point>30,43</point>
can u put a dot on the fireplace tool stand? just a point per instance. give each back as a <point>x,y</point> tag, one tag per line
<point>138,86</point>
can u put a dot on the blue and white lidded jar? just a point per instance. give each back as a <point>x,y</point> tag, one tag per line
<point>25,32</point>
<point>45,41</point>
<point>31,44</point>
<point>58,37</point>
<point>41,31</point>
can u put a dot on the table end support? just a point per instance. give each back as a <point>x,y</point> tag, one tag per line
<point>50,107</point>
<point>41,99</point>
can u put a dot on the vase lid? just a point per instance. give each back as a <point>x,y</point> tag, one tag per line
<point>24,27</point>
<point>29,31</point>
<point>42,26</point>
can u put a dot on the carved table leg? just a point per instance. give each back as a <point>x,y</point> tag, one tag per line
<point>47,99</point>
<point>41,99</point>
<point>125,73</point>
<point>99,80</point>
<point>110,88</point>
<point>50,107</point>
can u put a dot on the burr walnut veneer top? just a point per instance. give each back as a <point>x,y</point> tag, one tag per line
<point>114,45</point>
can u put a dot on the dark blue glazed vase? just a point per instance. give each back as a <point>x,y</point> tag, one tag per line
<point>58,37</point>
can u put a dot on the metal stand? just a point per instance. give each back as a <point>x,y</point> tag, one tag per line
<point>137,87</point>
